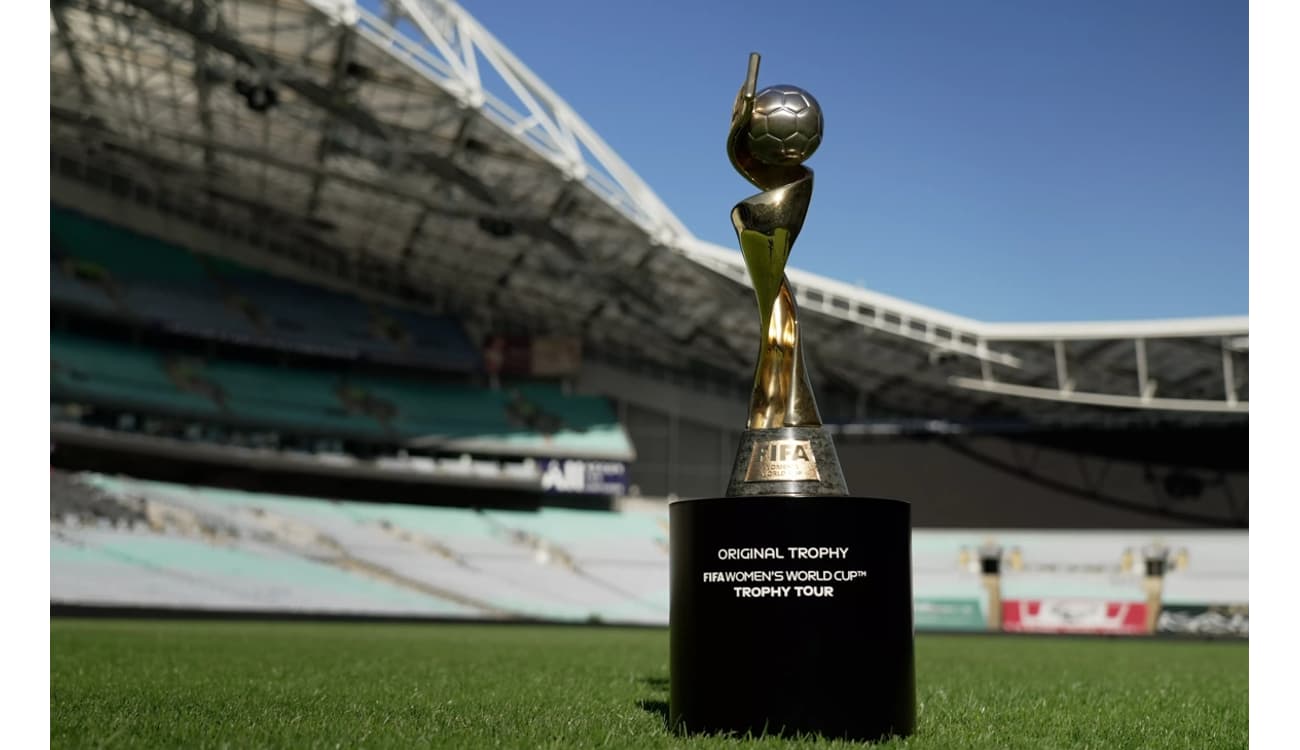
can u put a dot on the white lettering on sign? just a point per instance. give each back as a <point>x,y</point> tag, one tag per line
<point>564,477</point>
<point>831,579</point>
<point>750,553</point>
<point>593,477</point>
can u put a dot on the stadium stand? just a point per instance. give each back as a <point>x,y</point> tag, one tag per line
<point>251,550</point>
<point>102,372</point>
<point>108,270</point>
<point>77,503</point>
<point>70,286</point>
<point>317,401</point>
<point>162,571</point>
<point>246,548</point>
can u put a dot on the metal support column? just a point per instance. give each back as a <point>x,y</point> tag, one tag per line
<point>1140,349</point>
<point>1229,377</point>
<point>1062,368</point>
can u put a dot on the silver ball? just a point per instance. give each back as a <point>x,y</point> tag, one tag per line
<point>786,126</point>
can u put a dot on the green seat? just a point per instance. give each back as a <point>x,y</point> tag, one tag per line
<point>293,398</point>
<point>307,400</point>
<point>102,359</point>
<point>118,375</point>
<point>125,254</point>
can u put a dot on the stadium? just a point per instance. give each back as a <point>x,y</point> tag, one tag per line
<point>374,369</point>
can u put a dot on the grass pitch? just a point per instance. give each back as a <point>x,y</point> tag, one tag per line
<point>296,685</point>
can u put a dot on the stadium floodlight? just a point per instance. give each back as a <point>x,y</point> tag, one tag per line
<point>828,575</point>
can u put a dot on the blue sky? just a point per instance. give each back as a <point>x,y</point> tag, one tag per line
<point>1009,160</point>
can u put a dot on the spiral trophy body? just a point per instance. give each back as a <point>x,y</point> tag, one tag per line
<point>791,602</point>
<point>784,450</point>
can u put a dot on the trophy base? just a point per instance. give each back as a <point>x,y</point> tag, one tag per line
<point>792,615</point>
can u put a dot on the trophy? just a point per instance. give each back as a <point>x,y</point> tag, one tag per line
<point>784,450</point>
<point>791,601</point>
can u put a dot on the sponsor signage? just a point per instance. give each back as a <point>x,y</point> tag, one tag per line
<point>1225,620</point>
<point>1073,616</point>
<point>948,614</point>
<point>574,475</point>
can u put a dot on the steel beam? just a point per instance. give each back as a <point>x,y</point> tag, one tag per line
<point>1099,399</point>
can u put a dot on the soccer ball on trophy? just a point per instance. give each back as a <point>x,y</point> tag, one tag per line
<point>786,127</point>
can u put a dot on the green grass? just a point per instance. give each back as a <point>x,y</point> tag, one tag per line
<point>184,684</point>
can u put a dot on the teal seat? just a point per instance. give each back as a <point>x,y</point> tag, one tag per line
<point>274,385</point>
<point>125,254</point>
<point>570,525</point>
<point>108,360</point>
<point>291,398</point>
<point>308,400</point>
<point>118,375</point>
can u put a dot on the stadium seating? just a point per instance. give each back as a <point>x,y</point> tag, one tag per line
<point>146,279</point>
<point>79,503</point>
<point>111,271</point>
<point>466,563</point>
<point>105,373</point>
<point>288,398</point>
<point>1074,570</point>
<point>322,403</point>
<point>67,290</point>
<point>592,537</point>
<point>279,553</point>
<point>93,566</point>
<point>1215,573</point>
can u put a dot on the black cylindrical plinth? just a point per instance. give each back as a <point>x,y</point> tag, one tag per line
<point>792,615</point>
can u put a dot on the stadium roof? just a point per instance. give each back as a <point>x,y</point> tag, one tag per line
<point>399,147</point>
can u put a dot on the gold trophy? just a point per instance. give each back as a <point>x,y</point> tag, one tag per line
<point>791,602</point>
<point>784,450</point>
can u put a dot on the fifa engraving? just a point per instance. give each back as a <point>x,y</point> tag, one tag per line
<point>777,460</point>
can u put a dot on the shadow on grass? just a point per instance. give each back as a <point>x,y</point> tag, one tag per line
<point>657,707</point>
<point>656,704</point>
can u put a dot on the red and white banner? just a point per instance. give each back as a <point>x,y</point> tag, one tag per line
<point>1073,616</point>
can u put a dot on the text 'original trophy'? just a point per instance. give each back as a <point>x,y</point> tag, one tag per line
<point>791,600</point>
